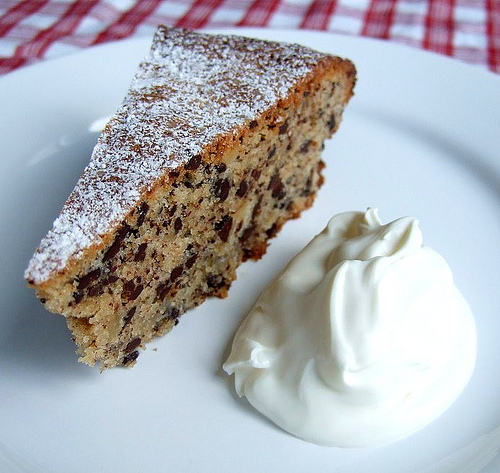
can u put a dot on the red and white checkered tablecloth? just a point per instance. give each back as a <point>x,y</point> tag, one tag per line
<point>32,30</point>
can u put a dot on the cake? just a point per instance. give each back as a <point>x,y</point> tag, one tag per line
<point>216,145</point>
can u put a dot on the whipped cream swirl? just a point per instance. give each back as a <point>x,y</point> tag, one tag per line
<point>361,340</point>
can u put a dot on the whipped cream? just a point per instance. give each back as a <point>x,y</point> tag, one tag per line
<point>361,340</point>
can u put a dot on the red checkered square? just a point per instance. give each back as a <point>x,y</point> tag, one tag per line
<point>35,29</point>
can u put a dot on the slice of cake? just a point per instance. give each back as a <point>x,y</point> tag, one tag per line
<point>215,146</point>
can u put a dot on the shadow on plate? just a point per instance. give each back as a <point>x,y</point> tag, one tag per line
<point>34,342</point>
<point>478,165</point>
<point>38,342</point>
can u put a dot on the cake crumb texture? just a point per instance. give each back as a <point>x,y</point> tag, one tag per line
<point>215,146</point>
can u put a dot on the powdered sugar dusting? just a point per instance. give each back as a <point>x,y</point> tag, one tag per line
<point>189,90</point>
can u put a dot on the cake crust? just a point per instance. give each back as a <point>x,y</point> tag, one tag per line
<point>208,142</point>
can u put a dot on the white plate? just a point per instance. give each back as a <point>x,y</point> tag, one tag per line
<point>421,137</point>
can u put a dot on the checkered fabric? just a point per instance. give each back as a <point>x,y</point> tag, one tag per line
<point>36,29</point>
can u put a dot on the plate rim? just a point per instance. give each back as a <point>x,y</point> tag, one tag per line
<point>146,41</point>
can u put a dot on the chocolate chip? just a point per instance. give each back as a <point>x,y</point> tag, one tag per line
<point>221,189</point>
<point>271,152</point>
<point>95,291</point>
<point>176,273</point>
<point>255,174</point>
<point>276,186</point>
<point>218,225</point>
<point>172,313</point>
<point>132,345</point>
<point>242,190</point>
<point>191,261</point>
<point>221,167</point>
<point>142,213</point>
<point>131,357</point>
<point>215,281</point>
<point>305,146</point>
<point>129,286</point>
<point>109,280</point>
<point>90,277</point>
<point>223,227</point>
<point>252,124</point>
<point>130,314</point>
<point>131,291</point>
<point>78,297</point>
<point>283,128</point>
<point>124,231</point>
<point>172,210</point>
<point>162,291</point>
<point>193,163</point>
<point>247,233</point>
<point>331,122</point>
<point>115,247</point>
<point>141,252</point>
<point>177,224</point>
<point>271,232</point>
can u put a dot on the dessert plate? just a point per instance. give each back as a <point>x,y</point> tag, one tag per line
<point>421,137</point>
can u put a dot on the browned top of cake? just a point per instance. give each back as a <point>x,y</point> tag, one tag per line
<point>191,89</point>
